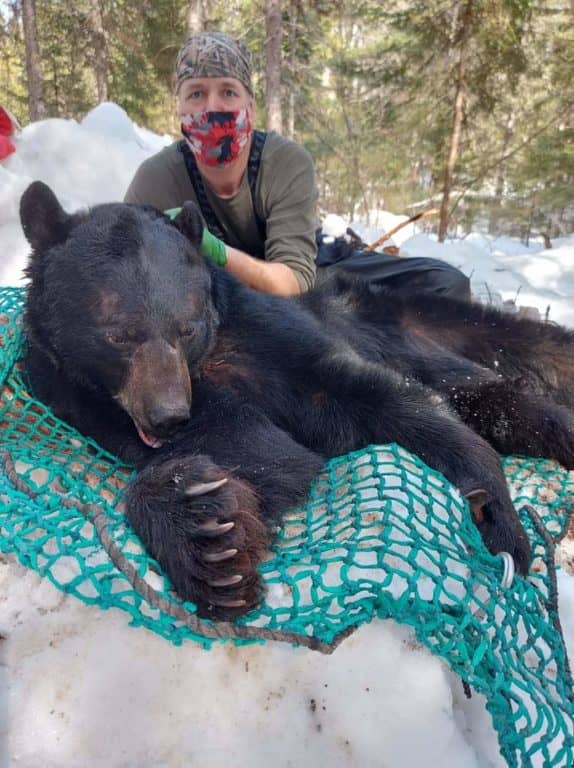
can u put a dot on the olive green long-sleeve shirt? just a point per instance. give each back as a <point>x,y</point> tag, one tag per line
<point>285,198</point>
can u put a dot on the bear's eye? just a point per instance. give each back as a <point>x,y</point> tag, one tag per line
<point>187,330</point>
<point>117,338</point>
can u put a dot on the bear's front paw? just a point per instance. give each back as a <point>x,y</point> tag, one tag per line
<point>561,436</point>
<point>501,528</point>
<point>204,527</point>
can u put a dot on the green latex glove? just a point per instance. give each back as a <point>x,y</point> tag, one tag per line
<point>211,247</point>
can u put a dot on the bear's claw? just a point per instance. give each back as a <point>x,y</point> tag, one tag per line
<point>217,557</point>
<point>215,528</point>
<point>229,581</point>
<point>200,488</point>
<point>227,604</point>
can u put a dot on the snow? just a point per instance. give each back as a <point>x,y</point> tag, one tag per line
<point>84,163</point>
<point>83,689</point>
<point>501,269</point>
<point>79,687</point>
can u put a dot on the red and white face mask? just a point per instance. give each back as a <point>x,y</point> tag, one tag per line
<point>217,138</point>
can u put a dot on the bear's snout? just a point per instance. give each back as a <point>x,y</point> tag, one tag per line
<point>157,390</point>
<point>165,418</point>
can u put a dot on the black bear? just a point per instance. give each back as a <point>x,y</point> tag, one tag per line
<point>228,400</point>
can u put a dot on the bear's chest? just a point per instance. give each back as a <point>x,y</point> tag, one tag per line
<point>232,366</point>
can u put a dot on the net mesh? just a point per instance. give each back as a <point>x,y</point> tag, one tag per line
<point>381,535</point>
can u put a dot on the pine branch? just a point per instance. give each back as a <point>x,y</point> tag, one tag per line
<point>486,170</point>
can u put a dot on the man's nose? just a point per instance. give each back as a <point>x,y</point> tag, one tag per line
<point>213,103</point>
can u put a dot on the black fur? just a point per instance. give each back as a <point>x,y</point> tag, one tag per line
<point>128,325</point>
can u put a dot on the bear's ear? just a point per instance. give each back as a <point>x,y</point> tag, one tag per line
<point>44,221</point>
<point>190,223</point>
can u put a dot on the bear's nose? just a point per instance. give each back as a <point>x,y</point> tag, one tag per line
<point>166,418</point>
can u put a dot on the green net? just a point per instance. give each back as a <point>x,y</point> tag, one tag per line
<point>381,535</point>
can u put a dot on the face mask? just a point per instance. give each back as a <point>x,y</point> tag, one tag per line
<point>216,138</point>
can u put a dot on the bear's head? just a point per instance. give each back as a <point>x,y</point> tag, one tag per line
<point>120,301</point>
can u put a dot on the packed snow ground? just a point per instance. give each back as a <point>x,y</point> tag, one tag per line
<point>79,687</point>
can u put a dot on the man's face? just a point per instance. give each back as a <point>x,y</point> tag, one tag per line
<point>213,94</point>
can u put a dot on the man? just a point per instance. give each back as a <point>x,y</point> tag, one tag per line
<point>265,234</point>
<point>257,190</point>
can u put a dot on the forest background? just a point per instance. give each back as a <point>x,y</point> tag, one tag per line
<point>466,105</point>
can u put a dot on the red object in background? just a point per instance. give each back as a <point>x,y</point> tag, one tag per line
<point>7,128</point>
<point>6,147</point>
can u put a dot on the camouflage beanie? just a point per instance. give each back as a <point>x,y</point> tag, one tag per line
<point>213,54</point>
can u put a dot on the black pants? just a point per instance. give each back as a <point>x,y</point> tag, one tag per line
<point>395,274</point>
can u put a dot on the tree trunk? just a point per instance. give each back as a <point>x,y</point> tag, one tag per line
<point>457,116</point>
<point>292,69</point>
<point>195,17</point>
<point>273,65</point>
<point>36,106</point>
<point>99,44</point>
<point>461,34</point>
<point>500,177</point>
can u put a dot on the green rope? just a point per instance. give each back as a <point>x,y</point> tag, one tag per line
<point>381,535</point>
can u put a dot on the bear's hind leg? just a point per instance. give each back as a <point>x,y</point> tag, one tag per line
<point>514,421</point>
<point>511,417</point>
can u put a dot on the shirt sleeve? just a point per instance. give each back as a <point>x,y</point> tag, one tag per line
<point>290,200</point>
<point>157,182</point>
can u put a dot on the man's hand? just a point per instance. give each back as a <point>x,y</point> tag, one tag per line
<point>266,276</point>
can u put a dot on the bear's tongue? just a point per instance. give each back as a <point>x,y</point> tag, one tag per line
<point>152,442</point>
